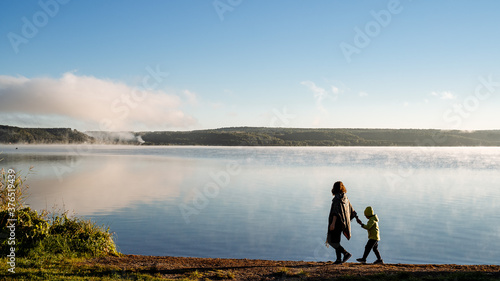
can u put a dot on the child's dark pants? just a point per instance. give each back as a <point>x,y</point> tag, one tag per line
<point>371,244</point>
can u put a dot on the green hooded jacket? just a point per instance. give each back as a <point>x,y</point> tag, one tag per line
<point>372,224</point>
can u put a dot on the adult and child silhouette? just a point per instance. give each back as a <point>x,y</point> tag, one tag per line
<point>339,222</point>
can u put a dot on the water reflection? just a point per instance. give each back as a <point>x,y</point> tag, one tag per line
<point>435,205</point>
<point>100,184</point>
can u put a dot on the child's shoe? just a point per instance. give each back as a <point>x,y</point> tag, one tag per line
<point>337,262</point>
<point>380,261</point>
<point>361,260</point>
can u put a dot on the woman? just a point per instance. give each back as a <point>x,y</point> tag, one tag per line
<point>339,221</point>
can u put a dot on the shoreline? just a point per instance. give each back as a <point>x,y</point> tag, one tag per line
<point>256,269</point>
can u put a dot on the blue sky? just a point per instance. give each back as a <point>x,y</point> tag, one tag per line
<point>183,65</point>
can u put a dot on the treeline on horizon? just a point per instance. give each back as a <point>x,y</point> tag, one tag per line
<point>11,134</point>
<point>258,136</point>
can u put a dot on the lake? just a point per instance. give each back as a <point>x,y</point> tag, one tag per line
<point>435,205</point>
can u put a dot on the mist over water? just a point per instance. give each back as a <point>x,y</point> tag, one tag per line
<point>435,205</point>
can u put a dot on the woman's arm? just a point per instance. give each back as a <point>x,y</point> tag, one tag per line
<point>332,225</point>
<point>351,210</point>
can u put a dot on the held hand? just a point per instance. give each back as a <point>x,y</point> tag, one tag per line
<point>359,221</point>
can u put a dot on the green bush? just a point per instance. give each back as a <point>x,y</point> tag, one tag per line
<point>30,228</point>
<point>13,189</point>
<point>37,232</point>
<point>58,235</point>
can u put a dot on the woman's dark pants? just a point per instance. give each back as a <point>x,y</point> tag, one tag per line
<point>335,242</point>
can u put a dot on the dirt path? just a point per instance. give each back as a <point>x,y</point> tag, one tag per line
<point>244,269</point>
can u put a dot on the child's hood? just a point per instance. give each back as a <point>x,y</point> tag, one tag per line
<point>369,212</point>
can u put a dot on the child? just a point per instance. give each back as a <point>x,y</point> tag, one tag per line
<point>373,235</point>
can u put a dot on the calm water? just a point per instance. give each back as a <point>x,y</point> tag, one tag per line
<point>436,205</point>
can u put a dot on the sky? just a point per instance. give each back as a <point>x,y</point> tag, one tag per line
<point>187,65</point>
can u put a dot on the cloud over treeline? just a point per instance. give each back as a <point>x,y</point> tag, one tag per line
<point>100,104</point>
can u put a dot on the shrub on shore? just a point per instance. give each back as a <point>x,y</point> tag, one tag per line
<point>60,234</point>
<point>42,233</point>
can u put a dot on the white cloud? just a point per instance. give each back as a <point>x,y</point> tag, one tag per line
<point>191,97</point>
<point>444,95</point>
<point>363,94</point>
<point>320,94</point>
<point>97,103</point>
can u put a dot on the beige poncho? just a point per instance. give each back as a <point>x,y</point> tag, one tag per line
<point>342,208</point>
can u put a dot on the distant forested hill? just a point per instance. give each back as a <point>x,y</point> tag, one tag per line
<point>260,136</point>
<point>323,137</point>
<point>9,134</point>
